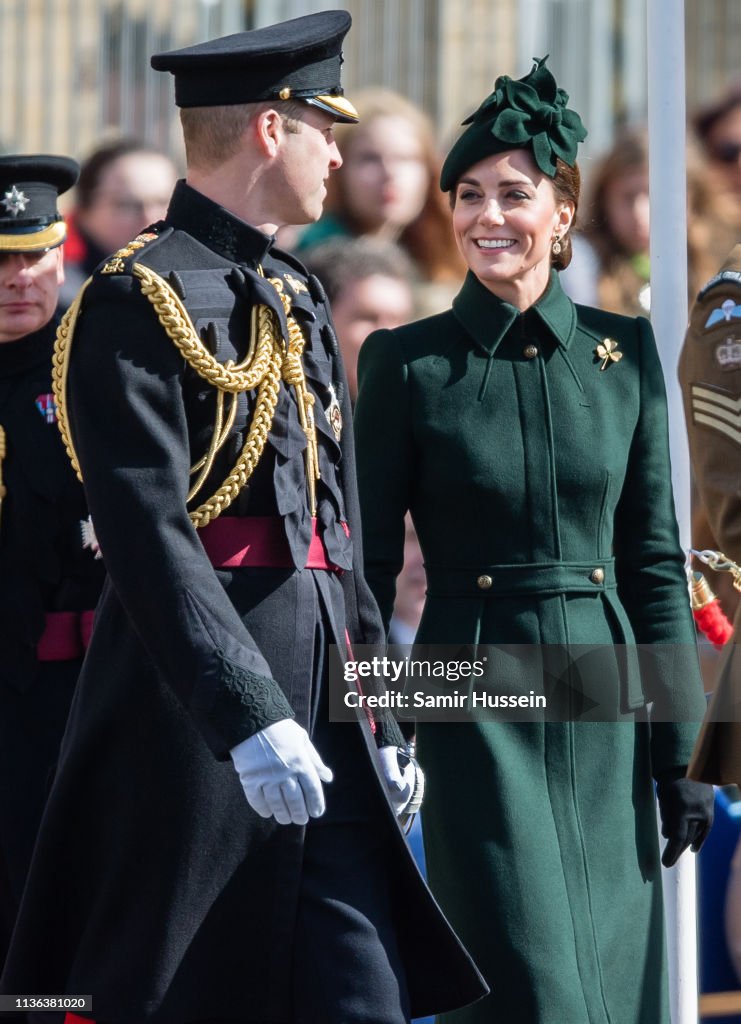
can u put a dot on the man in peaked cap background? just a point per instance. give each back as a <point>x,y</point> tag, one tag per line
<point>50,577</point>
<point>209,410</point>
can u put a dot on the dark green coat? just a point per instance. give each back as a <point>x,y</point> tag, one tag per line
<point>512,447</point>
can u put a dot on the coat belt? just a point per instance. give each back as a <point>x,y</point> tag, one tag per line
<point>233,542</point>
<point>66,636</point>
<point>537,578</point>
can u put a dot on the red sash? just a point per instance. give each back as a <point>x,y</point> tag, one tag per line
<point>66,636</point>
<point>233,542</point>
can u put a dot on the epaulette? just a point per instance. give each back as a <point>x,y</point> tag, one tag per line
<point>731,276</point>
<point>121,262</point>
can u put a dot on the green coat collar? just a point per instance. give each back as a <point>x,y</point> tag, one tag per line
<point>487,318</point>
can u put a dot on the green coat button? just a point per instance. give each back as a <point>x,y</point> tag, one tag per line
<point>484,582</point>
<point>597,575</point>
<point>530,351</point>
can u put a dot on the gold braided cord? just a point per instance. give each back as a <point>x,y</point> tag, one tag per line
<point>262,419</point>
<point>267,361</point>
<point>218,442</point>
<point>218,439</point>
<point>173,316</point>
<point>60,371</point>
<point>293,374</point>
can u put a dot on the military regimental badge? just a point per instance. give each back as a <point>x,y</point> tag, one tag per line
<point>296,285</point>
<point>724,313</point>
<point>334,413</point>
<point>608,353</point>
<point>15,202</point>
<point>728,354</point>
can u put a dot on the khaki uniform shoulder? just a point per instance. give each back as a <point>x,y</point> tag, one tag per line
<point>710,367</point>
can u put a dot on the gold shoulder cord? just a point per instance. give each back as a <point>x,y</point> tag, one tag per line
<point>268,360</point>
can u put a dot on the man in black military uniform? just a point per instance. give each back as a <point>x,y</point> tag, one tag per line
<point>50,570</point>
<point>201,389</point>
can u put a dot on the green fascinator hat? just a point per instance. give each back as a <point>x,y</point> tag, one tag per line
<point>529,113</point>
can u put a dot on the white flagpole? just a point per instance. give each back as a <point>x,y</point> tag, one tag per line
<point>667,184</point>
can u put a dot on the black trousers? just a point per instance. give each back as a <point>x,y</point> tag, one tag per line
<point>347,968</point>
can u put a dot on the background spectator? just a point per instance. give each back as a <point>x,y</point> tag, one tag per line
<point>388,188</point>
<point>718,129</point>
<point>612,271</point>
<point>124,186</point>
<point>368,284</point>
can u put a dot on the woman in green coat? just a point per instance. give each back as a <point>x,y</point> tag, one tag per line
<point>528,437</point>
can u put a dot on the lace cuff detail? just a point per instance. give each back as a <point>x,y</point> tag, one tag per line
<point>246,703</point>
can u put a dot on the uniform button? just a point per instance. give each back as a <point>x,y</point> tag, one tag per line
<point>530,351</point>
<point>597,575</point>
<point>484,582</point>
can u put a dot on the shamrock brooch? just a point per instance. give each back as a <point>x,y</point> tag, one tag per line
<point>608,353</point>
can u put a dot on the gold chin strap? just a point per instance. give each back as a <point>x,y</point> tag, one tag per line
<point>269,359</point>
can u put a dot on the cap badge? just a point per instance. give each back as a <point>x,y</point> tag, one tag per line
<point>608,353</point>
<point>15,202</point>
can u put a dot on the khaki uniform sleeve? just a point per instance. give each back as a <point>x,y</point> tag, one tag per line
<point>710,375</point>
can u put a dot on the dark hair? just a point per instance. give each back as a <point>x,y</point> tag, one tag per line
<point>705,119</point>
<point>341,261</point>
<point>707,221</point>
<point>567,188</point>
<point>91,170</point>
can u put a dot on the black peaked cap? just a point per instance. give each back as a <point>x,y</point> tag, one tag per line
<point>297,59</point>
<point>29,188</point>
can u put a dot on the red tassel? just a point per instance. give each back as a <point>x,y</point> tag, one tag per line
<point>707,612</point>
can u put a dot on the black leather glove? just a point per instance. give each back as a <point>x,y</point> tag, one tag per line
<point>686,809</point>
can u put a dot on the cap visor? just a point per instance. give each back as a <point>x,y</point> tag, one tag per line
<point>35,241</point>
<point>339,107</point>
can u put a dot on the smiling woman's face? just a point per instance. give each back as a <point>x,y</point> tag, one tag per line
<point>505,218</point>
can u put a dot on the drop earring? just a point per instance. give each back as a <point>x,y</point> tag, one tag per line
<point>556,246</point>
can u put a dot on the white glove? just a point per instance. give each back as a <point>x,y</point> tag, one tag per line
<point>281,773</point>
<point>399,782</point>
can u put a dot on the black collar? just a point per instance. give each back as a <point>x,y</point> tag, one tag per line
<point>216,227</point>
<point>32,350</point>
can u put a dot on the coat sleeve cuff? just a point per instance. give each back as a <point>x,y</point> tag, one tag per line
<point>388,733</point>
<point>245,704</point>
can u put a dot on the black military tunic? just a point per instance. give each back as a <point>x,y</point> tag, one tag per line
<point>168,898</point>
<point>49,574</point>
